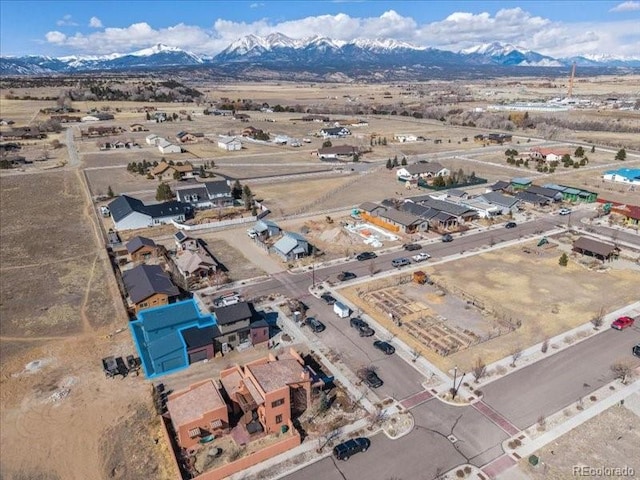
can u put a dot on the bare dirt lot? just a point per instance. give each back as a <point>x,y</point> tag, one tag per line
<point>608,440</point>
<point>550,299</point>
<point>58,302</point>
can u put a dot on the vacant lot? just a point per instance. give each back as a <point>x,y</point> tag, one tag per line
<point>607,440</point>
<point>58,302</point>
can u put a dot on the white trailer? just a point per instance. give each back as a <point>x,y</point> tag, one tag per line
<point>341,310</point>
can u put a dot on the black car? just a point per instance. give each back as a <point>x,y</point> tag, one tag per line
<point>329,299</point>
<point>371,379</point>
<point>344,450</point>
<point>315,324</point>
<point>344,276</point>
<point>363,327</point>
<point>357,322</point>
<point>384,347</point>
<point>511,225</point>
<point>447,238</point>
<point>636,349</point>
<point>366,256</point>
<point>412,246</point>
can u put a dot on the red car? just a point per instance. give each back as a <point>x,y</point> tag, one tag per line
<point>622,322</point>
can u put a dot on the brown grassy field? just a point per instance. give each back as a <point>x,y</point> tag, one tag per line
<point>58,302</point>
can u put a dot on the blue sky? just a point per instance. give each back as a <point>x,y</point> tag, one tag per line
<point>556,28</point>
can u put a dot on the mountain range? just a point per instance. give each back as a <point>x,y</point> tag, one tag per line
<point>279,52</point>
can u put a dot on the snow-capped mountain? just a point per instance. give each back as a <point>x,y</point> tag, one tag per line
<point>278,52</point>
<point>507,54</point>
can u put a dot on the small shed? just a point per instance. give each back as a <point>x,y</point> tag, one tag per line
<point>594,248</point>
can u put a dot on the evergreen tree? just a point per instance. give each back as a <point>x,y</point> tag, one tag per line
<point>247,197</point>
<point>236,190</point>
<point>110,193</point>
<point>389,164</point>
<point>163,192</point>
<point>404,161</point>
<point>621,155</point>
<point>564,260</point>
<point>593,149</point>
<point>579,152</point>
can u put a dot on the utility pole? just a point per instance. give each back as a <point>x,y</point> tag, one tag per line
<point>313,275</point>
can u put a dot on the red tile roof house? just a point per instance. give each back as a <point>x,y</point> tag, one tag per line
<point>198,411</point>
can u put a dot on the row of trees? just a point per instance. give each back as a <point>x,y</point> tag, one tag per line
<point>391,164</point>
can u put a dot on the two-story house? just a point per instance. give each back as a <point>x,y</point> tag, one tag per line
<point>206,194</point>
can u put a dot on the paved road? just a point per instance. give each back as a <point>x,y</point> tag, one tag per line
<point>550,385</point>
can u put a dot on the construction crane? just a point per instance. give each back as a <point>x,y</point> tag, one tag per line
<point>573,75</point>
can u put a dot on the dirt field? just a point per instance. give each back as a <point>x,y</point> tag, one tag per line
<point>608,440</point>
<point>569,298</point>
<point>58,302</point>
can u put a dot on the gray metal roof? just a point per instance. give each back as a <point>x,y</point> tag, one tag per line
<point>418,168</point>
<point>444,206</point>
<point>145,280</point>
<point>290,242</point>
<point>124,205</point>
<point>532,198</point>
<point>594,246</point>
<point>500,199</point>
<point>545,192</point>
<point>403,218</point>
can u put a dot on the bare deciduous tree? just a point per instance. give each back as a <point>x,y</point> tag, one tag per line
<point>545,345</point>
<point>598,319</point>
<point>479,369</point>
<point>516,353</point>
<point>623,370</point>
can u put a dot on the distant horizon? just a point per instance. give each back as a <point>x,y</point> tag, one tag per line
<point>558,29</point>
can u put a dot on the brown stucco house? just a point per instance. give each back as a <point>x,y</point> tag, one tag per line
<point>149,286</point>
<point>198,411</point>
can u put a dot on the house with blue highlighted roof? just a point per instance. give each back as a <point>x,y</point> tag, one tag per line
<point>171,337</point>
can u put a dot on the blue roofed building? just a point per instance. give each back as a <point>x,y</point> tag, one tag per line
<point>623,175</point>
<point>171,337</point>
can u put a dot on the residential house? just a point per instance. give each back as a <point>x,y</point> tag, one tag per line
<point>335,132</point>
<point>571,194</point>
<point>129,213</point>
<point>159,117</point>
<point>66,118</point>
<point>405,137</point>
<point>242,116</point>
<point>495,138</point>
<point>97,117</point>
<point>166,171</point>
<point>234,322</point>
<point>595,248</point>
<point>187,137</point>
<point>484,208</point>
<point>532,198</point>
<point>292,246</point>
<point>206,194</point>
<point>338,152</point>
<point>547,155</point>
<point>251,132</point>
<point>195,265</point>
<point>153,139</point>
<point>281,139</point>
<point>16,160</point>
<point>137,127</point>
<point>185,242</point>
<point>402,221</point>
<point>505,203</point>
<point>171,337</point>
<point>422,170</point>
<point>460,212</point>
<point>231,144</point>
<point>24,133</point>
<point>370,208</point>
<point>149,286</point>
<point>166,146</point>
<point>266,229</point>
<point>500,186</point>
<point>141,249</point>
<point>631,213</point>
<point>315,118</point>
<point>520,183</point>
<point>271,389</point>
<point>629,176</point>
<point>198,411</point>
<point>101,131</point>
<point>550,193</point>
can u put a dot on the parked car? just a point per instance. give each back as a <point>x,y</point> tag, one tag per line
<point>412,246</point>
<point>371,379</point>
<point>385,347</point>
<point>564,211</point>
<point>511,225</point>
<point>315,324</point>
<point>421,257</point>
<point>328,298</point>
<point>447,238</point>
<point>365,256</point>
<point>363,327</point>
<point>344,276</point>
<point>636,350</point>
<point>400,262</point>
<point>252,233</point>
<point>346,449</point>
<point>622,323</point>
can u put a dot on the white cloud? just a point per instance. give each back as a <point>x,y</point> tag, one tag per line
<point>66,21</point>
<point>457,31</point>
<point>629,6</point>
<point>95,22</point>
<point>256,5</point>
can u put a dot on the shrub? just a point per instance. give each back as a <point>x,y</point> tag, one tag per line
<point>460,473</point>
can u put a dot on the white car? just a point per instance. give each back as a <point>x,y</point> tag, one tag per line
<point>421,257</point>
<point>564,211</point>
<point>252,233</point>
